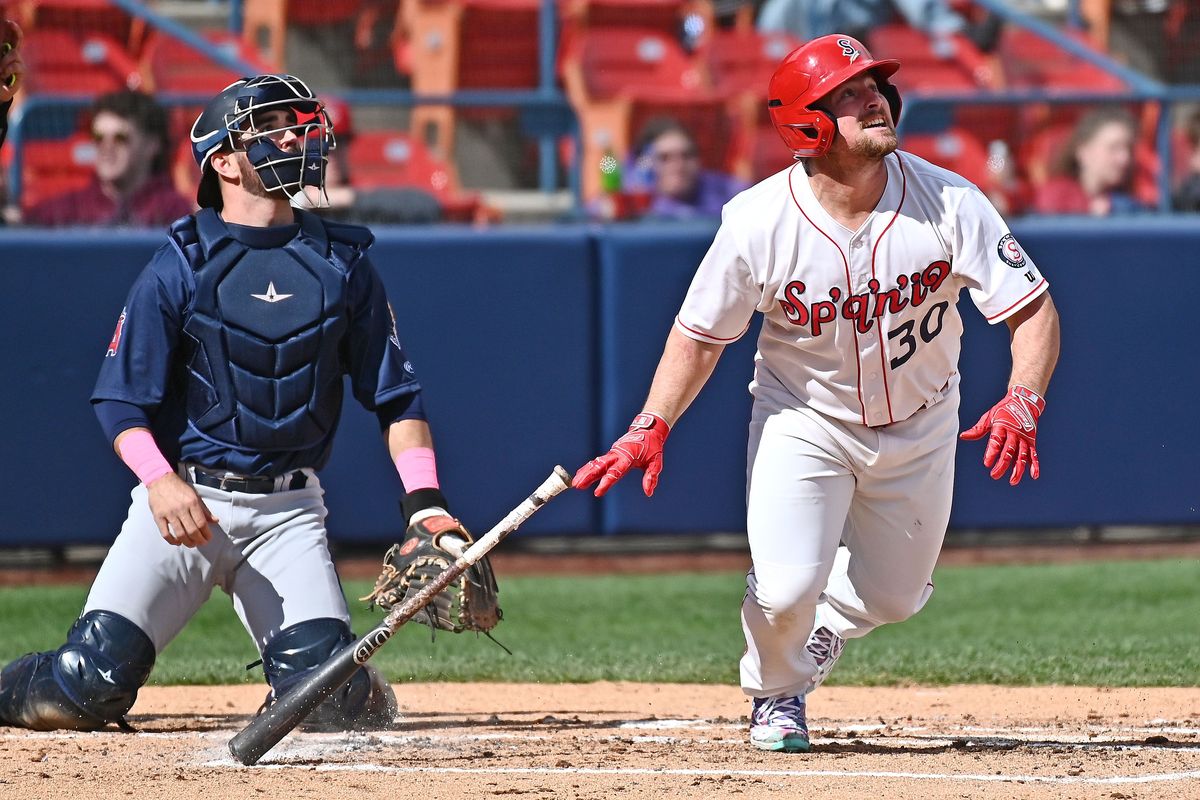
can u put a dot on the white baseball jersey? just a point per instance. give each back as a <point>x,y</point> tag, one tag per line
<point>861,326</point>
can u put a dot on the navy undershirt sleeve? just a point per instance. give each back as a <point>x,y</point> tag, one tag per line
<point>406,406</point>
<point>116,416</point>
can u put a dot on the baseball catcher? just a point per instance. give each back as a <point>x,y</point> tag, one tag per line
<point>431,544</point>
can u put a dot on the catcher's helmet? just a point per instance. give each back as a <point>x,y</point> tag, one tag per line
<point>812,71</point>
<point>230,122</point>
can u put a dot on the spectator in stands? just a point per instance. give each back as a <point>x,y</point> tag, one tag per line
<point>131,186</point>
<point>12,70</point>
<point>809,19</point>
<point>668,170</point>
<point>1187,195</point>
<point>1095,169</point>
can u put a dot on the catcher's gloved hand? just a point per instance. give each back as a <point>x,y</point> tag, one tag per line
<point>431,545</point>
<point>1013,426</point>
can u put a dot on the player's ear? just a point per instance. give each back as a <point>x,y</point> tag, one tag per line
<point>225,164</point>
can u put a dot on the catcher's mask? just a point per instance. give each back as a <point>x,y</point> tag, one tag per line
<point>812,71</point>
<point>255,115</point>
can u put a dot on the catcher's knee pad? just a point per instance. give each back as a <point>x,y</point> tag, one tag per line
<point>363,702</point>
<point>87,683</point>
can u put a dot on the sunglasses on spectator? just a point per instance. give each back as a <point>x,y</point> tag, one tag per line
<point>662,157</point>
<point>120,137</point>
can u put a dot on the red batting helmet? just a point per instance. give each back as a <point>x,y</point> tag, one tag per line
<point>812,71</point>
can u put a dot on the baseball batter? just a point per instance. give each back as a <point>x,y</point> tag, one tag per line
<point>855,256</point>
<point>221,390</point>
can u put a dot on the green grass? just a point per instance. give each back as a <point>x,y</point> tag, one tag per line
<point>1104,624</point>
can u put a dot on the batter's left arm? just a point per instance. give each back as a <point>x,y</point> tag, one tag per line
<point>1011,425</point>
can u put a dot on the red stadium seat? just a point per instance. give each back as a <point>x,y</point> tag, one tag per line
<point>50,168</point>
<point>175,67</point>
<point>62,62</point>
<point>265,22</point>
<point>99,17</point>
<point>1032,62</point>
<point>469,44</point>
<point>386,159</point>
<point>741,63</point>
<point>953,149</point>
<point>617,79</point>
<point>926,66</point>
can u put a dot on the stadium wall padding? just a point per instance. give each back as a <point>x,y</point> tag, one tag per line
<point>537,345</point>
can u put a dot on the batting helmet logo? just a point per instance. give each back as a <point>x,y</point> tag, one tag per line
<point>848,49</point>
<point>809,73</point>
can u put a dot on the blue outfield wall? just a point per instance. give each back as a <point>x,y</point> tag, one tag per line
<point>536,346</point>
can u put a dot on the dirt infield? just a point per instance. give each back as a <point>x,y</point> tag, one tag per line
<point>639,741</point>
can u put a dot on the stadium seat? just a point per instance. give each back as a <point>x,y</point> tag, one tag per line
<point>741,62</point>
<point>618,79</point>
<point>385,159</point>
<point>952,65</point>
<point>1033,62</point>
<point>954,149</point>
<point>50,167</point>
<point>265,22</point>
<point>172,66</point>
<point>99,17</point>
<point>689,21</point>
<point>64,62</point>
<point>463,45</point>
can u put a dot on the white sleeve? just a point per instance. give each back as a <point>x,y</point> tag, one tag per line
<point>723,295</point>
<point>1001,277</point>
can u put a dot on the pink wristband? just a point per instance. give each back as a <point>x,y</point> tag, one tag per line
<point>418,469</point>
<point>140,453</point>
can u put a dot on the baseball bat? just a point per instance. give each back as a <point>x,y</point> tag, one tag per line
<point>268,728</point>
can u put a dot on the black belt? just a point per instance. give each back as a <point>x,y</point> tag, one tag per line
<point>249,484</point>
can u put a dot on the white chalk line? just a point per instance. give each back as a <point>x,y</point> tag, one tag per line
<point>715,773</point>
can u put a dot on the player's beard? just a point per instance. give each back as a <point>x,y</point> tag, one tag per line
<point>875,147</point>
<point>251,182</point>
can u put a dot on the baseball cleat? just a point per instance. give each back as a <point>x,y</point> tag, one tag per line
<point>777,723</point>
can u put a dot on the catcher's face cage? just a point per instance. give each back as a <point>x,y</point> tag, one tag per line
<point>280,125</point>
<point>812,71</point>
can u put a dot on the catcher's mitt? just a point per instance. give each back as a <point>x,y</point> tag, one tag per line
<point>429,547</point>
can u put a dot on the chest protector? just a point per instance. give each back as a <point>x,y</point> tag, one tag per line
<point>262,336</point>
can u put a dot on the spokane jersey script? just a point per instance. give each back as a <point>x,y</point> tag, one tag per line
<point>860,326</point>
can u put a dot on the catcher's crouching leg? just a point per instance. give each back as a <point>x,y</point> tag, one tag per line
<point>87,683</point>
<point>365,702</point>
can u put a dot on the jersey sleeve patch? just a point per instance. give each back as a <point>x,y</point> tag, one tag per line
<point>115,343</point>
<point>1010,252</point>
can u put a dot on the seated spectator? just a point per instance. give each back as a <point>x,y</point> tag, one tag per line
<point>1096,168</point>
<point>131,186</point>
<point>1187,195</point>
<point>668,170</point>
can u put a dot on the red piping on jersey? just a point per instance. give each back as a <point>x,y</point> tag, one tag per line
<point>999,314</point>
<point>683,324</point>
<point>887,391</point>
<point>846,263</point>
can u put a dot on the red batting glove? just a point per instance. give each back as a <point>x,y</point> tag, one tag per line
<point>640,447</point>
<point>1013,425</point>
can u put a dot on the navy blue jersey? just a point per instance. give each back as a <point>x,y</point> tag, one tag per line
<point>245,377</point>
